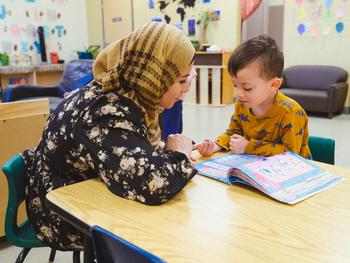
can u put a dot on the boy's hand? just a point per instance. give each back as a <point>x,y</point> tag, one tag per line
<point>238,143</point>
<point>207,147</point>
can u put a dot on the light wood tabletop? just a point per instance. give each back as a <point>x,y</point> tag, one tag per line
<point>210,221</point>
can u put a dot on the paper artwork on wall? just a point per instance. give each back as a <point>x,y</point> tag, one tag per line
<point>314,31</point>
<point>300,14</point>
<point>329,15</point>
<point>191,27</point>
<point>179,26</point>
<point>19,23</point>
<point>150,4</point>
<point>180,5</point>
<point>205,1</point>
<point>156,19</point>
<point>318,17</point>
<point>340,12</point>
<point>215,15</point>
<point>301,29</point>
<point>328,3</point>
<point>339,27</point>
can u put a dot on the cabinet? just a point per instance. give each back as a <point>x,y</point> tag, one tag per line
<point>212,86</point>
<point>42,75</point>
<point>21,127</point>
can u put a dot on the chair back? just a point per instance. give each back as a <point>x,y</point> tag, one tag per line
<point>318,77</point>
<point>76,75</point>
<point>322,149</point>
<point>113,249</point>
<point>23,235</point>
<point>21,127</point>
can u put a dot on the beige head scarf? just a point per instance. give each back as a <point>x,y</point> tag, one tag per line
<point>143,66</point>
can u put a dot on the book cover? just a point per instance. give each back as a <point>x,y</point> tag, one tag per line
<point>286,177</point>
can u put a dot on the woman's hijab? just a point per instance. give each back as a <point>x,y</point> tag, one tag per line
<point>143,66</point>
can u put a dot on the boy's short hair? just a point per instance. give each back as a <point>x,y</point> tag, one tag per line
<point>261,48</point>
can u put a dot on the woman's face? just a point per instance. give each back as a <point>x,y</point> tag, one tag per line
<point>179,88</point>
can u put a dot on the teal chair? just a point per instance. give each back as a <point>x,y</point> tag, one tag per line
<point>322,149</point>
<point>22,235</point>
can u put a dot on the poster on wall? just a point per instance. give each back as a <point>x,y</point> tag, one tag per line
<point>20,19</point>
<point>180,5</point>
<point>321,17</point>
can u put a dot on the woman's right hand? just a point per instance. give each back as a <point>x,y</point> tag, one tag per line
<point>207,147</point>
<point>180,143</point>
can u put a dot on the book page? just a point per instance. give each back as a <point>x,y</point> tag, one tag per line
<point>287,177</point>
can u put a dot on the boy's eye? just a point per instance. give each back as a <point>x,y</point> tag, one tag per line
<point>182,81</point>
<point>247,89</point>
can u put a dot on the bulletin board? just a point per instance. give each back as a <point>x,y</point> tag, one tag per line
<point>317,32</point>
<point>64,23</point>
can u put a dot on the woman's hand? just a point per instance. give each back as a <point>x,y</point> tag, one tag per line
<point>180,143</point>
<point>207,147</point>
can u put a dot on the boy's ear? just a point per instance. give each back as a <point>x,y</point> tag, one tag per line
<point>276,83</point>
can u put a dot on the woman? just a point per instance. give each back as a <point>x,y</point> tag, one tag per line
<point>110,129</point>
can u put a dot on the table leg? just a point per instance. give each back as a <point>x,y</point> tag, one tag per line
<point>88,250</point>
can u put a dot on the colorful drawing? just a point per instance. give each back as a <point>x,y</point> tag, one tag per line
<point>339,27</point>
<point>300,13</point>
<point>301,29</point>
<point>150,4</point>
<point>340,12</point>
<point>191,27</point>
<point>328,3</point>
<point>314,31</point>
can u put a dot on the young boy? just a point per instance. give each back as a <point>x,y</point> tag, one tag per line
<point>265,121</point>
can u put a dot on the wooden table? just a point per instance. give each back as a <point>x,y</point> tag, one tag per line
<point>210,221</point>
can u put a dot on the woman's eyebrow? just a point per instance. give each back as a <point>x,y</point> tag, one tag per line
<point>185,76</point>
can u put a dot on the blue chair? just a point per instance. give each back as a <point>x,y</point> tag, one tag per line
<point>322,149</point>
<point>110,248</point>
<point>22,235</point>
<point>77,74</point>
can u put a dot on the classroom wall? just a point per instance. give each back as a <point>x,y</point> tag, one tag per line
<point>65,24</point>
<point>225,33</point>
<point>94,22</point>
<point>311,37</point>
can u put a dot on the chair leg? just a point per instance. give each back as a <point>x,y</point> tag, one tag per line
<point>52,255</point>
<point>23,254</point>
<point>76,256</point>
<point>330,115</point>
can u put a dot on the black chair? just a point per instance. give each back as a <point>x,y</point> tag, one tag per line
<point>113,249</point>
<point>76,75</point>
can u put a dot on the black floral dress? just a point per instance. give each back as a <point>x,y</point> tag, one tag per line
<point>94,134</point>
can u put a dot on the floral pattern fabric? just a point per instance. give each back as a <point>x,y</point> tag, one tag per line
<point>97,134</point>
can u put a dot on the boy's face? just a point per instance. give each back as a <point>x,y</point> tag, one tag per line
<point>252,90</point>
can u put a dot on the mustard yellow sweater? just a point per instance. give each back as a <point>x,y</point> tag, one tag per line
<point>284,127</point>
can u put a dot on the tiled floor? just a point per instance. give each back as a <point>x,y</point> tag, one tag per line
<point>202,122</point>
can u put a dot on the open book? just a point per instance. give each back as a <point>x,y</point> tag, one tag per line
<point>286,177</point>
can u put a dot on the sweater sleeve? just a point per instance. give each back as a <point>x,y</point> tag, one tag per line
<point>234,128</point>
<point>292,136</point>
<point>124,159</point>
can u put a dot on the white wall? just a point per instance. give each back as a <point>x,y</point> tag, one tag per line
<point>64,22</point>
<point>323,45</point>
